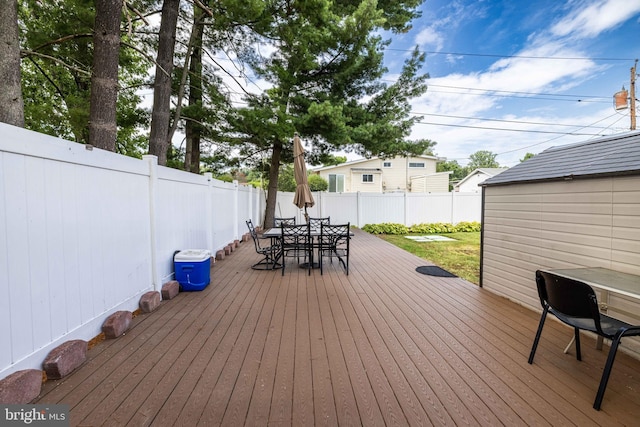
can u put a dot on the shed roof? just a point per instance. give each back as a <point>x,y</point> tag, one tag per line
<point>610,156</point>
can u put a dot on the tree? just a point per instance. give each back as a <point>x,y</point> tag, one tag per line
<point>103,130</point>
<point>482,159</point>
<point>326,60</point>
<point>11,101</point>
<point>57,51</point>
<point>317,183</point>
<point>161,114</point>
<point>527,157</point>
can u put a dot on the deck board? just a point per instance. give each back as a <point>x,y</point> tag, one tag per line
<point>381,346</point>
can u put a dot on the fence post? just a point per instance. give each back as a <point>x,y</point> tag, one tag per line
<point>236,209</point>
<point>152,161</point>
<point>209,211</point>
<point>406,208</point>
<point>358,211</point>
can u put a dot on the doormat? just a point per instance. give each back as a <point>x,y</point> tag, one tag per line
<point>430,238</point>
<point>434,270</point>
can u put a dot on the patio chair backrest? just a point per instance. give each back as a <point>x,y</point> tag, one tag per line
<point>279,222</point>
<point>315,223</point>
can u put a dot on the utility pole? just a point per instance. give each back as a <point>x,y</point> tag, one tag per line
<point>632,95</point>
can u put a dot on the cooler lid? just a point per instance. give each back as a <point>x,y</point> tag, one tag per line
<point>192,255</point>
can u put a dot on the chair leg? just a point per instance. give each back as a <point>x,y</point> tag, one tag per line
<point>537,338</point>
<point>577,335</point>
<point>607,371</point>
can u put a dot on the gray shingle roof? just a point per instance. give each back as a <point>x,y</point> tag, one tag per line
<point>610,156</point>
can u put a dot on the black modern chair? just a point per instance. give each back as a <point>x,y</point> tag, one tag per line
<point>278,222</point>
<point>315,223</point>
<point>271,253</point>
<point>575,303</point>
<point>334,240</point>
<point>296,239</point>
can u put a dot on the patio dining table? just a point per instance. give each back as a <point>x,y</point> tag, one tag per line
<point>276,232</point>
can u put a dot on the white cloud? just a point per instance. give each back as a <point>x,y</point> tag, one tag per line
<point>595,18</point>
<point>429,36</point>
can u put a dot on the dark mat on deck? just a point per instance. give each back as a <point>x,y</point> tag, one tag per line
<point>434,270</point>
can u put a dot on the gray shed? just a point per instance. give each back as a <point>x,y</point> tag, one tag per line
<point>571,206</point>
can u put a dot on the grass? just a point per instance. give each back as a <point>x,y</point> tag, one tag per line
<point>461,257</point>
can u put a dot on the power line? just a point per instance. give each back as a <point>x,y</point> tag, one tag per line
<point>500,120</point>
<point>608,98</point>
<point>577,58</point>
<point>510,130</point>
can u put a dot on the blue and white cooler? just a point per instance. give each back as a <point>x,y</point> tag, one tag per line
<point>192,267</point>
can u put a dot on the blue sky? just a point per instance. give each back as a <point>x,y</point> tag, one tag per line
<point>491,60</point>
<point>546,70</point>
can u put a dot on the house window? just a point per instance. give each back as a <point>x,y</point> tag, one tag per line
<point>386,164</point>
<point>336,183</point>
<point>367,177</point>
<point>416,164</point>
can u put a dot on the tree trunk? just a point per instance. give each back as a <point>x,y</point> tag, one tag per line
<point>272,191</point>
<point>103,129</point>
<point>11,102</point>
<point>161,114</point>
<point>193,129</point>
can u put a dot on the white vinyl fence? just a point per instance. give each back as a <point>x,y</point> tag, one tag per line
<point>409,209</point>
<point>85,232</point>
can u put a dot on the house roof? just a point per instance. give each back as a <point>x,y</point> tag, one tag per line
<point>485,171</point>
<point>359,161</point>
<point>610,156</point>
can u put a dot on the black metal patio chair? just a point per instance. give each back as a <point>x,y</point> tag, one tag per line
<point>271,253</point>
<point>278,222</point>
<point>575,303</point>
<point>334,240</point>
<point>315,223</point>
<point>296,239</point>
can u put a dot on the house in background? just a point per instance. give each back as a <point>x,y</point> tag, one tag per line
<point>471,182</point>
<point>571,206</point>
<point>376,175</point>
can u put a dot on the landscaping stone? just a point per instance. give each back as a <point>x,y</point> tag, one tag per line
<point>227,250</point>
<point>21,387</point>
<point>246,237</point>
<point>65,358</point>
<point>117,324</point>
<point>220,254</point>
<point>236,243</point>
<point>170,290</point>
<point>149,301</point>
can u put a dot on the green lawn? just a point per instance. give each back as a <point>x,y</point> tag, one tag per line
<point>461,257</point>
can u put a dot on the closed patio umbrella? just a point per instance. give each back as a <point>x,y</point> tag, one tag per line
<point>303,197</point>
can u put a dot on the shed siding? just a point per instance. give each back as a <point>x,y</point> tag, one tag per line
<point>561,224</point>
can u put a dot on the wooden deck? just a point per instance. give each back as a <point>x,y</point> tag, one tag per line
<point>382,346</point>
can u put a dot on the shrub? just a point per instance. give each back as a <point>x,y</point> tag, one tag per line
<point>434,228</point>
<point>386,228</point>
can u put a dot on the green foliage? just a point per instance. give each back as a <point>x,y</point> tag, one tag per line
<point>482,159</point>
<point>527,157</point>
<point>286,179</point>
<point>386,228</point>
<point>433,228</point>
<point>317,183</point>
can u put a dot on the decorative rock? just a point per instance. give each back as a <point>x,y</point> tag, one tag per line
<point>220,254</point>
<point>227,250</point>
<point>65,358</point>
<point>21,387</point>
<point>236,243</point>
<point>246,237</point>
<point>170,289</point>
<point>117,324</point>
<point>149,301</point>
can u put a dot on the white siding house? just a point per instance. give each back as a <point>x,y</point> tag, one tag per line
<point>571,206</point>
<point>471,183</point>
<point>385,175</point>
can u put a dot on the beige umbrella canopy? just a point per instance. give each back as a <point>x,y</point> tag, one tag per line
<point>303,197</point>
